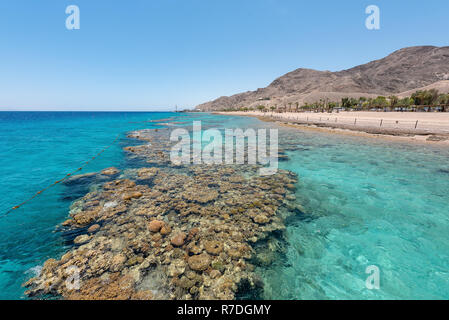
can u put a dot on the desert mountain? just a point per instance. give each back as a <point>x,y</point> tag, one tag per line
<point>441,86</point>
<point>403,71</point>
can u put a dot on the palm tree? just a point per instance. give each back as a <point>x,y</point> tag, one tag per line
<point>393,101</point>
<point>261,108</point>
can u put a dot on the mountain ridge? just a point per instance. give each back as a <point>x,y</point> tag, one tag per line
<point>403,70</point>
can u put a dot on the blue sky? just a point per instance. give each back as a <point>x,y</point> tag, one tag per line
<point>148,55</point>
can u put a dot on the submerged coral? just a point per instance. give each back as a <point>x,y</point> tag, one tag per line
<point>168,232</point>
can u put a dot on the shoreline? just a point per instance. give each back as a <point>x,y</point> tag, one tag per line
<point>427,135</point>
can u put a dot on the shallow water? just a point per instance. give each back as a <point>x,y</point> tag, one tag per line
<point>366,203</point>
<point>36,149</point>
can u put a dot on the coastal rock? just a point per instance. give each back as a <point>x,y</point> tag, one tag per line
<point>185,283</point>
<point>132,195</point>
<point>178,240</point>
<point>49,266</point>
<point>193,290</point>
<point>261,219</point>
<point>200,195</point>
<point>194,249</point>
<point>165,230</point>
<point>93,228</point>
<point>176,268</point>
<point>155,225</point>
<point>110,171</point>
<point>117,262</point>
<point>81,239</point>
<point>215,274</point>
<point>290,186</point>
<point>290,197</point>
<point>110,204</point>
<point>117,288</point>
<point>213,247</point>
<point>192,233</point>
<point>86,217</point>
<point>156,237</point>
<point>134,260</point>
<point>142,295</point>
<point>147,173</point>
<point>199,262</point>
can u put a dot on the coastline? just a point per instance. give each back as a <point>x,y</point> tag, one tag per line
<point>397,126</point>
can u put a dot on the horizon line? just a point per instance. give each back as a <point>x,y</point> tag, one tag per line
<point>71,110</point>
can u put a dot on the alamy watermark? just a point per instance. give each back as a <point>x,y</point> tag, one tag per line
<point>207,147</point>
<point>73,280</point>
<point>72,22</point>
<point>373,280</point>
<point>372,22</point>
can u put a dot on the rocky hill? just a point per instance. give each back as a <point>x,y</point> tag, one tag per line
<point>402,71</point>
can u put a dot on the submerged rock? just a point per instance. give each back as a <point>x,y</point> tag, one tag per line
<point>165,230</point>
<point>213,247</point>
<point>132,195</point>
<point>261,219</point>
<point>176,268</point>
<point>93,228</point>
<point>199,262</point>
<point>155,225</point>
<point>110,171</point>
<point>147,173</point>
<point>179,239</point>
<point>81,239</point>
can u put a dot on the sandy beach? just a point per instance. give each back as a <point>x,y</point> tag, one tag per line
<point>429,127</point>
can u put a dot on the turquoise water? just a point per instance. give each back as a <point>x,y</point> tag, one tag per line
<point>366,202</point>
<point>36,149</point>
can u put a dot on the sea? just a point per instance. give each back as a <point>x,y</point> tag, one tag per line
<point>371,208</point>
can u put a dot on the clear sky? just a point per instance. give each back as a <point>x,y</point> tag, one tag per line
<point>155,54</point>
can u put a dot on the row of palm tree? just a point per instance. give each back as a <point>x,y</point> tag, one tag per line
<point>422,100</point>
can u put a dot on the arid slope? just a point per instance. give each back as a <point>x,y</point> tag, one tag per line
<point>404,70</point>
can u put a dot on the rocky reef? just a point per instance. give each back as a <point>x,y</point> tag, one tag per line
<point>168,232</point>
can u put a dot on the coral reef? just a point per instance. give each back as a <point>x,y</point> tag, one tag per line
<point>168,232</point>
